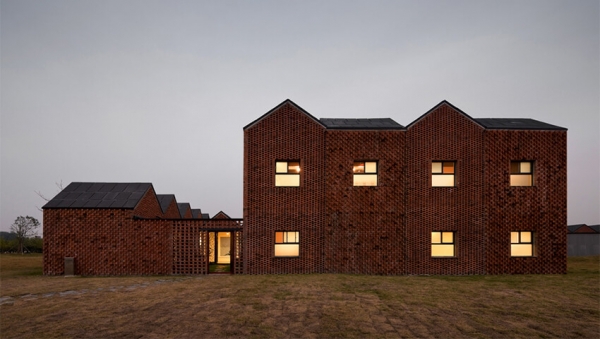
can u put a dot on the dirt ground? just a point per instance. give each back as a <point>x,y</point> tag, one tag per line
<point>308,306</point>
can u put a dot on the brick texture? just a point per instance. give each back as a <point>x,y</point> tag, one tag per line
<point>445,134</point>
<point>286,133</point>
<point>541,209</point>
<point>364,230</point>
<point>107,241</point>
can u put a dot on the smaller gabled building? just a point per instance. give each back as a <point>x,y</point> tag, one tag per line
<point>94,223</point>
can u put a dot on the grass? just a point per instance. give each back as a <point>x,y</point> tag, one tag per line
<point>313,305</point>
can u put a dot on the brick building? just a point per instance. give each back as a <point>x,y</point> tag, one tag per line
<point>446,194</point>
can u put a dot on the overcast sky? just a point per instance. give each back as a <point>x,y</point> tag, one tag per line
<point>159,91</point>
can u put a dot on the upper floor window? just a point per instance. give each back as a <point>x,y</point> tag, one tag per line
<point>287,244</point>
<point>442,244</point>
<point>521,244</point>
<point>521,173</point>
<point>287,173</point>
<point>365,173</point>
<point>442,173</point>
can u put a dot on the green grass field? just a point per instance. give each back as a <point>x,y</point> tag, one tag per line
<point>313,305</point>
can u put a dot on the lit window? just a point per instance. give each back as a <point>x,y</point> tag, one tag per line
<point>365,173</point>
<point>287,173</point>
<point>287,244</point>
<point>442,174</point>
<point>442,244</point>
<point>521,173</point>
<point>521,244</point>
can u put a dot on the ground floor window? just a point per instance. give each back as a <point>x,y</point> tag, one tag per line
<point>521,244</point>
<point>287,244</point>
<point>442,244</point>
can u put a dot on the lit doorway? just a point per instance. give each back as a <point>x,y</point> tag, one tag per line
<point>219,252</point>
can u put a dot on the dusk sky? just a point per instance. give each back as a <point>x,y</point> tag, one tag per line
<point>159,91</point>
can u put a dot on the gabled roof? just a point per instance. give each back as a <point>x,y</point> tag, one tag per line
<point>582,228</point>
<point>361,124</point>
<point>517,123</point>
<point>183,208</point>
<point>444,102</point>
<point>196,213</point>
<point>165,200</point>
<point>497,123</point>
<point>99,195</point>
<point>205,216</point>
<point>221,215</point>
<point>285,102</point>
<point>595,228</point>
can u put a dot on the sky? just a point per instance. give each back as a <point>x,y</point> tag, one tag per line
<point>159,91</point>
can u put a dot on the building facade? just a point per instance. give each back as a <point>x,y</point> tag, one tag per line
<point>446,194</point>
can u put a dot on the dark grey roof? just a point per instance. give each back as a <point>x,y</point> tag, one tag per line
<point>595,227</point>
<point>573,228</point>
<point>99,195</point>
<point>196,213</point>
<point>285,102</point>
<point>380,123</point>
<point>205,216</point>
<point>183,208</point>
<point>165,200</point>
<point>517,123</point>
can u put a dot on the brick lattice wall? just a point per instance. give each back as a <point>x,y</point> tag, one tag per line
<point>541,208</point>
<point>104,242</point>
<point>445,134</point>
<point>286,133</point>
<point>364,230</point>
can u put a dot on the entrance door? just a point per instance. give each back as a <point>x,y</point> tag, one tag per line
<point>224,248</point>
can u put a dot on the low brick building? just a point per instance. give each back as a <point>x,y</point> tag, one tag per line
<point>446,194</point>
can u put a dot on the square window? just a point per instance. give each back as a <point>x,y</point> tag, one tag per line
<point>287,173</point>
<point>521,244</point>
<point>287,244</point>
<point>442,173</point>
<point>521,173</point>
<point>442,244</point>
<point>365,173</point>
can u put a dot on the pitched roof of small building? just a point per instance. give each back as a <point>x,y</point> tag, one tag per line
<point>99,195</point>
<point>196,213</point>
<point>183,208</point>
<point>205,216</point>
<point>517,123</point>
<point>583,228</point>
<point>360,124</point>
<point>165,200</point>
<point>221,215</point>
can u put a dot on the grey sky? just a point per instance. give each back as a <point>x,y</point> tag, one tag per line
<point>159,91</point>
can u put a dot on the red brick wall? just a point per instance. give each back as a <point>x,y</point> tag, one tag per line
<point>541,208</point>
<point>364,231</point>
<point>445,134</point>
<point>285,134</point>
<point>104,242</point>
<point>172,211</point>
<point>148,207</point>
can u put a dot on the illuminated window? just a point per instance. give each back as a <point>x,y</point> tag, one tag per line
<point>442,244</point>
<point>287,173</point>
<point>521,173</point>
<point>442,173</point>
<point>287,244</point>
<point>365,173</point>
<point>521,244</point>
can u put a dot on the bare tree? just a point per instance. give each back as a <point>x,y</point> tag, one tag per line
<point>60,187</point>
<point>24,227</point>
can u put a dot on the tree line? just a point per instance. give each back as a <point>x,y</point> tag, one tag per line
<point>22,237</point>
